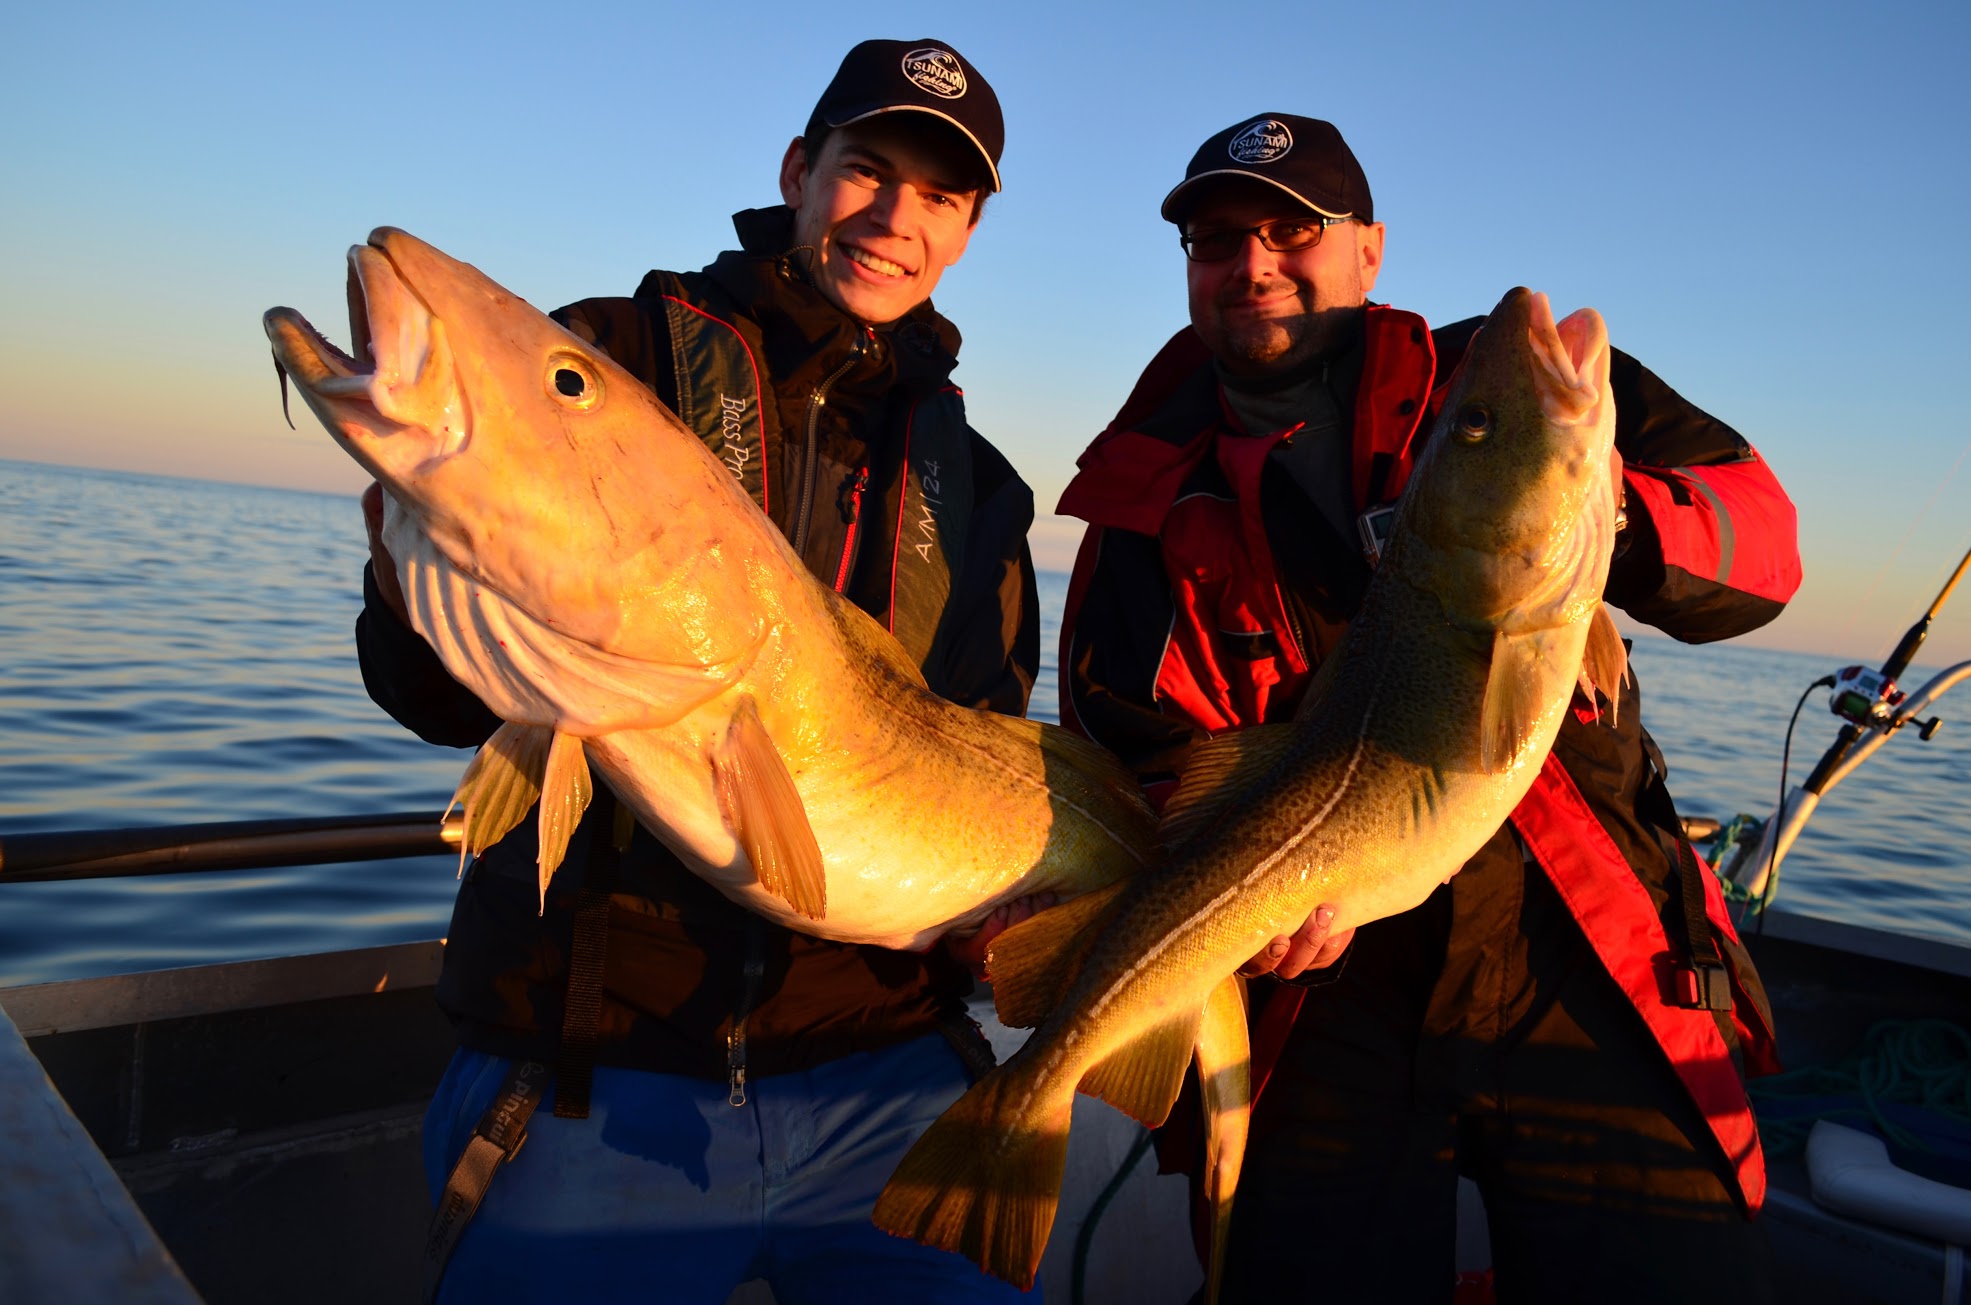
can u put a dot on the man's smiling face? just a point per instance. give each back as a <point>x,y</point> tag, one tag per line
<point>1264,313</point>
<point>883,210</point>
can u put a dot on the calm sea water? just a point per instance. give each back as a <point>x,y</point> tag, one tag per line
<point>176,651</point>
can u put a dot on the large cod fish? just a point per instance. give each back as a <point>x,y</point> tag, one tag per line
<point>586,566</point>
<point>1420,735</point>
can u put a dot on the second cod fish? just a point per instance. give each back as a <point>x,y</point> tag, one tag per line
<point>1421,734</point>
<point>587,567</point>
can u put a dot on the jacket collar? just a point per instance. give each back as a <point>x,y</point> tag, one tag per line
<point>1133,472</point>
<point>804,331</point>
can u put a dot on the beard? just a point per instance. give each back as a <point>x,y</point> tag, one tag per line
<point>1278,346</point>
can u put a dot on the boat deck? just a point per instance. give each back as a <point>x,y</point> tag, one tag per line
<point>264,1116</point>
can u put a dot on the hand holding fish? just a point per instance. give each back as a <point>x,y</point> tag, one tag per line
<point>382,565</point>
<point>971,948</point>
<point>583,563</point>
<point>1307,948</point>
<point>1437,712</point>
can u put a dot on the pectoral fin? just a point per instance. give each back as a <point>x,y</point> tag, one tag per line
<point>1513,690</point>
<point>1606,661</point>
<point>759,801</point>
<point>1225,1081</point>
<point>501,785</point>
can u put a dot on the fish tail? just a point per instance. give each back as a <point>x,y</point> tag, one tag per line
<point>984,1180</point>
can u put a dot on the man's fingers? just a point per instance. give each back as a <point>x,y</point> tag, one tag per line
<point>1332,949</point>
<point>1310,944</point>
<point>1268,960</point>
<point>972,949</point>
<point>382,565</point>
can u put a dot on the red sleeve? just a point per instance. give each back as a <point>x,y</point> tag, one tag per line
<point>1712,549</point>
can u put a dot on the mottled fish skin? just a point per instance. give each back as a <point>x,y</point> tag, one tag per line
<point>582,563</point>
<point>1433,717</point>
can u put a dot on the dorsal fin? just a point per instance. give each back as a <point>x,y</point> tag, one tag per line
<point>1034,963</point>
<point>1218,773</point>
<point>1324,679</point>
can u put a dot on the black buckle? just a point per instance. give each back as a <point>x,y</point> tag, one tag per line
<point>1704,985</point>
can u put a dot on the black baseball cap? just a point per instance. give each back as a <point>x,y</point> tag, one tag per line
<point>924,76</point>
<point>1305,157</point>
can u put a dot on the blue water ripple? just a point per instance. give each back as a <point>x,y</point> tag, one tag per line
<point>174,651</point>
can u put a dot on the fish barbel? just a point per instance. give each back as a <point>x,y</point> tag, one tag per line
<point>1420,735</point>
<point>587,567</point>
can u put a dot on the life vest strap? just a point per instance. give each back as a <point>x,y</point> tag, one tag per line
<point>496,1139</point>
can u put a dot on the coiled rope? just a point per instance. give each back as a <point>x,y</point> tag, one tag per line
<point>1923,1062</point>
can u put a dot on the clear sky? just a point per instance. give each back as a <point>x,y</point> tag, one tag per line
<point>1768,203</point>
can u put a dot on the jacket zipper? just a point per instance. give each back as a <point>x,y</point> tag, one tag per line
<point>1295,632</point>
<point>811,473</point>
<point>754,969</point>
<point>854,524</point>
<point>751,974</point>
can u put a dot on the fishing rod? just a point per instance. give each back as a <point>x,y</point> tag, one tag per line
<point>1873,709</point>
<point>227,845</point>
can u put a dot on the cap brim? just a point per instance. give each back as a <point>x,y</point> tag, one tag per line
<point>1169,209</point>
<point>992,169</point>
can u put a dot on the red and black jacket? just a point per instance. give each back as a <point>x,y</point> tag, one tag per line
<point>1209,586</point>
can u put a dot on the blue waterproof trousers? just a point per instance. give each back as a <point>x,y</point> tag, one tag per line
<point>667,1192</point>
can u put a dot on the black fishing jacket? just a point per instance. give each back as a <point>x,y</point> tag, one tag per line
<point>854,441</point>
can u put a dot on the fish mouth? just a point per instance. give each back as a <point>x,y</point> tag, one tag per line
<point>396,375</point>
<point>1569,355</point>
<point>375,289</point>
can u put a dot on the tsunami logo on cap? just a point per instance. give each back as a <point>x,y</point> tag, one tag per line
<point>936,71</point>
<point>1264,142</point>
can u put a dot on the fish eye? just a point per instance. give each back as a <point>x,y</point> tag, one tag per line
<point>573,381</point>
<point>1472,423</point>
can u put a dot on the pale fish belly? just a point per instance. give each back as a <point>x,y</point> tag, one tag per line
<point>903,865</point>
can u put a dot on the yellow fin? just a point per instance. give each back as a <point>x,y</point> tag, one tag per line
<point>1034,963</point>
<point>1511,710</point>
<point>1217,774</point>
<point>1142,1077</point>
<point>1225,1083</point>
<point>982,1181</point>
<point>565,792</point>
<point>501,785</point>
<point>759,801</point>
<point>1606,662</point>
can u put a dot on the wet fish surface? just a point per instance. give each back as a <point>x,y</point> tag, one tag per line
<point>1417,739</point>
<point>583,563</point>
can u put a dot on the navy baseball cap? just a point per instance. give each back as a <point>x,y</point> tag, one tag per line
<point>1305,157</point>
<point>924,76</point>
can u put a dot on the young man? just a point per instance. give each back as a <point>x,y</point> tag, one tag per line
<point>1526,1025</point>
<point>729,1097</point>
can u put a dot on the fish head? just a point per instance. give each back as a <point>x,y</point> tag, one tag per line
<point>1510,514</point>
<point>533,464</point>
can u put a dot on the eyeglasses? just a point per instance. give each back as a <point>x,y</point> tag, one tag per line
<point>1284,236</point>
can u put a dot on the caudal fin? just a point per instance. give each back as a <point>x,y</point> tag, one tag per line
<point>985,1179</point>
